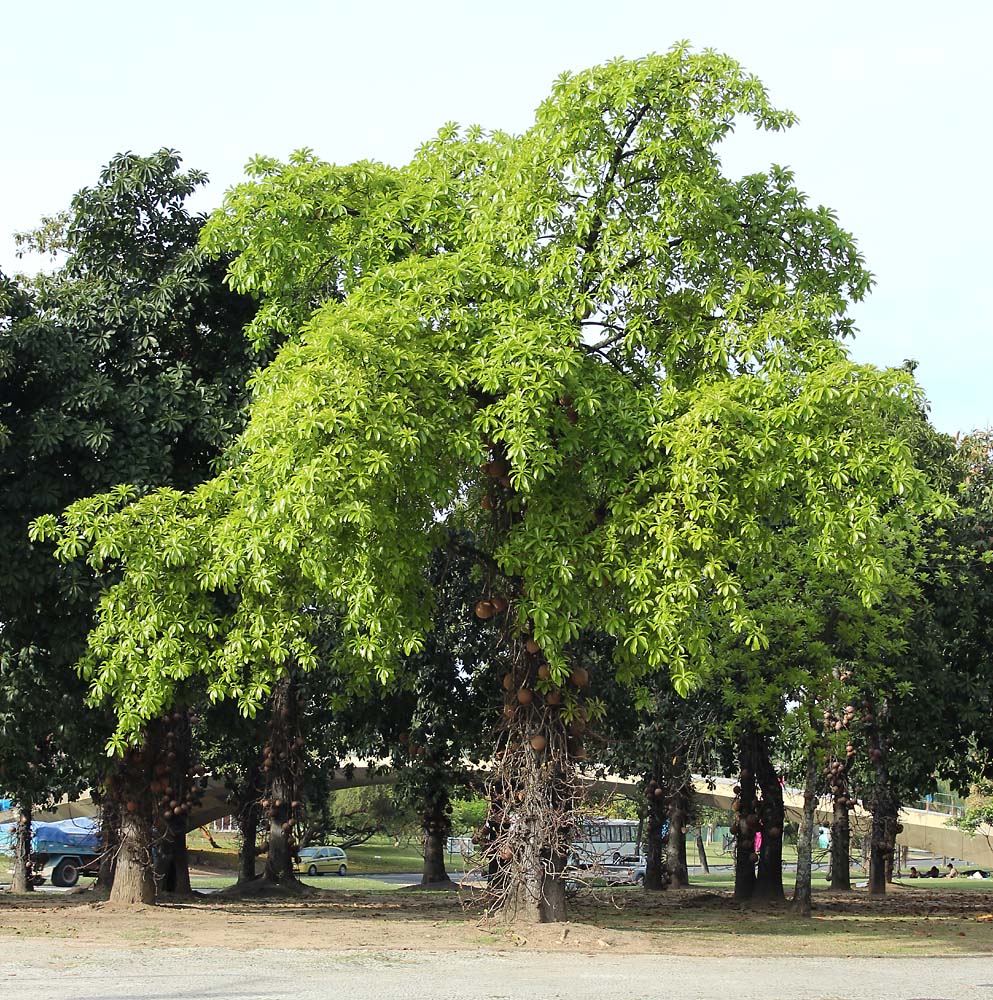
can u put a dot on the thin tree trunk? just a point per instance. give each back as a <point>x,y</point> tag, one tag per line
<point>248,823</point>
<point>889,835</point>
<point>679,807</point>
<point>21,872</point>
<point>769,881</point>
<point>805,836</point>
<point>702,852</point>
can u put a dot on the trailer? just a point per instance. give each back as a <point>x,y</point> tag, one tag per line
<point>64,850</point>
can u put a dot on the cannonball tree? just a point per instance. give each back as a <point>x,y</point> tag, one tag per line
<point>624,367</point>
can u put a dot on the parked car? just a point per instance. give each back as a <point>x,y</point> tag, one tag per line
<point>321,861</point>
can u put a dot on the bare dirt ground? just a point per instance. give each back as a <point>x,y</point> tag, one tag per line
<point>691,923</point>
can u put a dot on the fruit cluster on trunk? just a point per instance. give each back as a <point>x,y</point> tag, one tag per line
<point>177,785</point>
<point>758,814</point>
<point>533,792</point>
<point>282,769</point>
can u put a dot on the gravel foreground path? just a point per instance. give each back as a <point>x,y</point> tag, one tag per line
<point>57,971</point>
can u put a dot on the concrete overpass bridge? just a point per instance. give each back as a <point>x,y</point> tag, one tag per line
<point>923,830</point>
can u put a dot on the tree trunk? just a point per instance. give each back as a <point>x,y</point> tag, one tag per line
<point>772,816</point>
<point>21,873</point>
<point>437,827</point>
<point>553,899</point>
<point>889,838</point>
<point>248,823</point>
<point>172,861</point>
<point>745,823</point>
<point>702,852</point>
<point>133,881</point>
<point>655,868</point>
<point>841,842</point>
<point>883,835</point>
<point>281,766</point>
<point>805,837</point>
<point>173,781</point>
<point>110,831</point>
<point>679,807</point>
<point>533,790</point>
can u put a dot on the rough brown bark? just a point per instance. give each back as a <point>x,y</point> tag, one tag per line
<point>20,880</point>
<point>772,816</point>
<point>805,836</point>
<point>133,880</point>
<point>679,808</point>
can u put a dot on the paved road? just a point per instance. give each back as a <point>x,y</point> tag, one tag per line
<point>59,971</point>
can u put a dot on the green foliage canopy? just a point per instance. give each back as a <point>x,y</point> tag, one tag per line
<point>656,347</point>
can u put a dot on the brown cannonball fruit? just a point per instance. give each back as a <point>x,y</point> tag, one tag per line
<point>484,610</point>
<point>538,742</point>
<point>580,677</point>
<point>499,605</point>
<point>525,696</point>
<point>658,792</point>
<point>544,671</point>
<point>532,647</point>
<point>554,697</point>
<point>577,727</point>
<point>508,681</point>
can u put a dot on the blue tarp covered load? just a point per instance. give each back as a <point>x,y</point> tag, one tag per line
<point>82,834</point>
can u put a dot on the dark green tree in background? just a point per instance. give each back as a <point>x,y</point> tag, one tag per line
<point>126,364</point>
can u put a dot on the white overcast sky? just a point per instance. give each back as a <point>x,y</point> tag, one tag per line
<point>894,100</point>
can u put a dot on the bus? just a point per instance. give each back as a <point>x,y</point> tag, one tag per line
<point>606,841</point>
